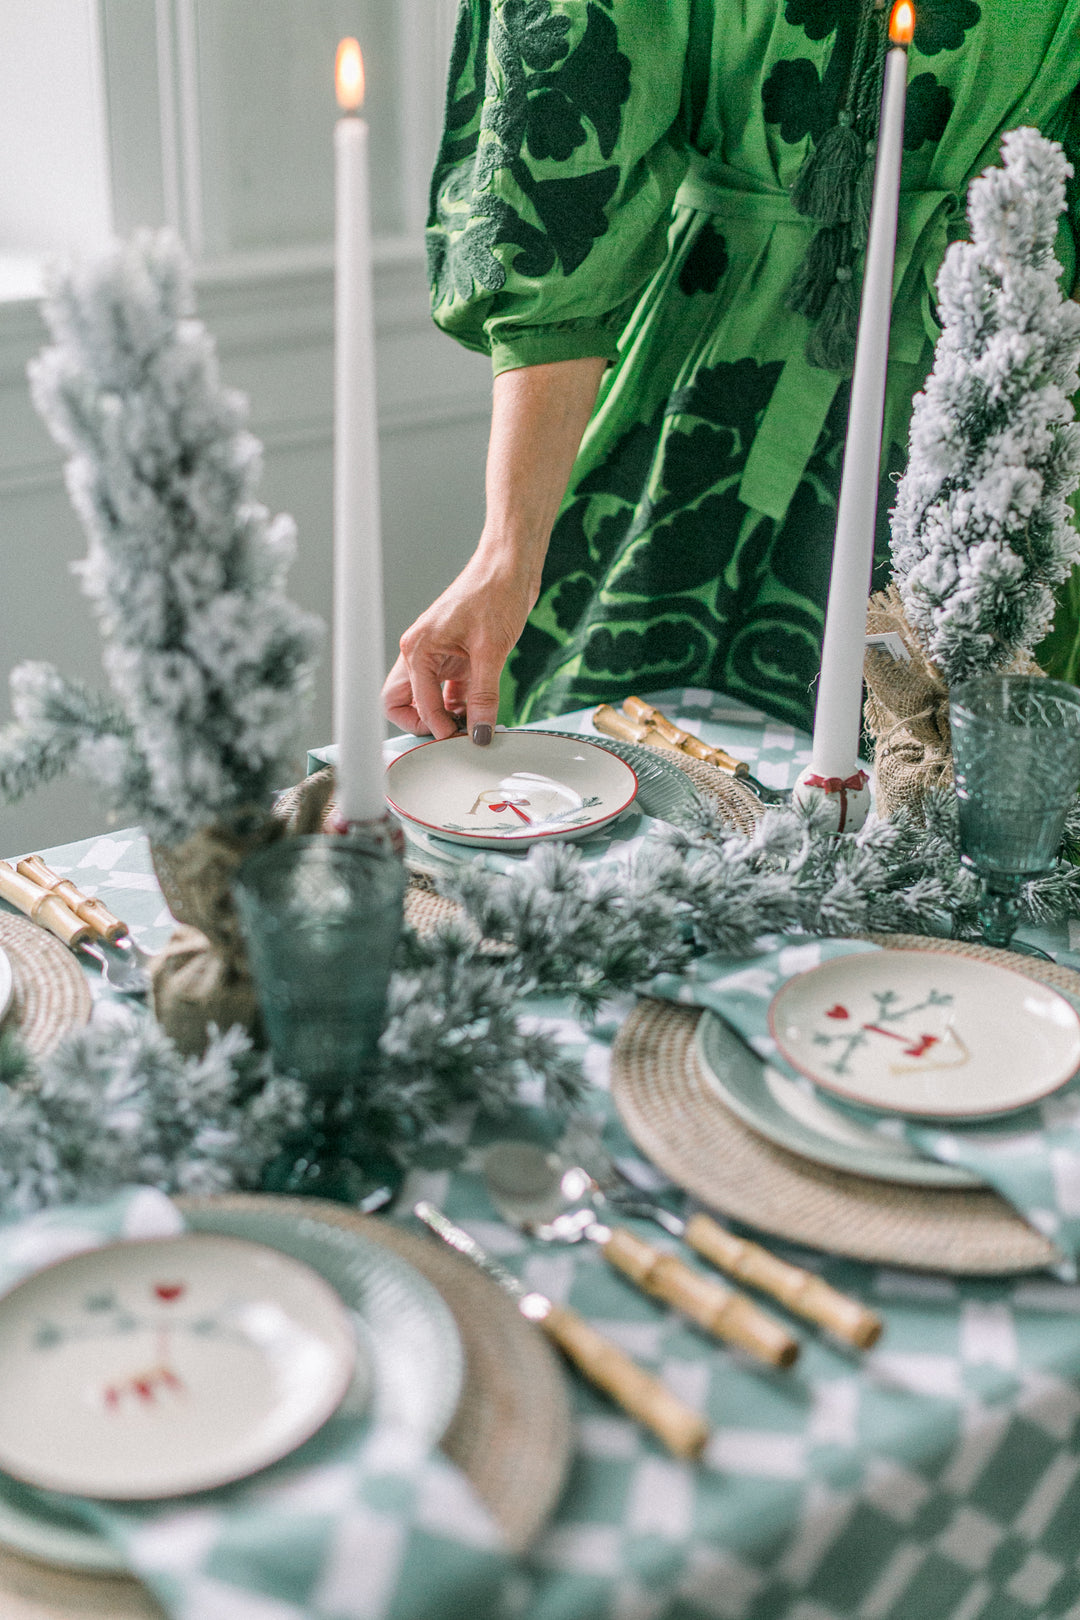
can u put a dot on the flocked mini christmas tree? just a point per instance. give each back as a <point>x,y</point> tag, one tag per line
<point>209,664</point>
<point>982,528</point>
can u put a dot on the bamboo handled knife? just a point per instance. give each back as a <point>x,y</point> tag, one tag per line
<point>644,1397</point>
<point>42,906</point>
<point>93,912</point>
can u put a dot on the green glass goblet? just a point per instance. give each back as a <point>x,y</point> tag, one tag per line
<point>1016,757</point>
<point>321,918</point>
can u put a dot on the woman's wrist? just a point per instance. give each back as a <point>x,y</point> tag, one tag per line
<point>511,555</point>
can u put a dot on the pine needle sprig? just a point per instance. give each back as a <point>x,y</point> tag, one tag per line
<point>115,1103</point>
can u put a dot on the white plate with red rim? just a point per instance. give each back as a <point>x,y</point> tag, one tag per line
<point>158,1368</point>
<point>927,1034</point>
<point>408,1374</point>
<point>523,787</point>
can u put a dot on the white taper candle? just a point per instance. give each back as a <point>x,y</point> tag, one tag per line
<point>839,700</point>
<point>359,656</point>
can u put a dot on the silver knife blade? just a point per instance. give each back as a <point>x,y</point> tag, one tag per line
<point>531,1304</point>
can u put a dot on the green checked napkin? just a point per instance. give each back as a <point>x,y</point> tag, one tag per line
<point>1031,1157</point>
<point>353,1524</point>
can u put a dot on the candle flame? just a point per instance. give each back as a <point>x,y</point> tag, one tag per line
<point>349,76</point>
<point>902,23</point>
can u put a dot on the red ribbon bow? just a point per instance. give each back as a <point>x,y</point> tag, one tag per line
<point>511,804</point>
<point>839,784</point>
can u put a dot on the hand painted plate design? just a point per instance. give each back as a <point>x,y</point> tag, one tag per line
<point>524,787</point>
<point>408,1375</point>
<point>791,1114</point>
<point>664,792</point>
<point>926,1034</point>
<point>152,1369</point>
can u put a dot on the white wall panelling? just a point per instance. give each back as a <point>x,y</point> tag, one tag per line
<point>216,117</point>
<point>53,178</point>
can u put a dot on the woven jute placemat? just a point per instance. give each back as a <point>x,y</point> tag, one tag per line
<point>738,807</point>
<point>51,993</point>
<point>511,1435</point>
<point>677,1120</point>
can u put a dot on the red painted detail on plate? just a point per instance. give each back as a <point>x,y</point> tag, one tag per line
<point>893,1034</point>
<point>169,1291</point>
<point>512,804</point>
<point>838,1012</point>
<point>914,1045</point>
<point>144,1388</point>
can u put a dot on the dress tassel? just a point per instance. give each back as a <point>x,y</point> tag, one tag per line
<point>832,342</point>
<point>863,196</point>
<point>825,185</point>
<point>816,275</point>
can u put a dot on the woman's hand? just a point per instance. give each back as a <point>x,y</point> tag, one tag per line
<point>452,657</point>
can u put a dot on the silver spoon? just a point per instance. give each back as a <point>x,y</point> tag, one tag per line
<point>530,1191</point>
<point>802,1292</point>
<point>124,965</point>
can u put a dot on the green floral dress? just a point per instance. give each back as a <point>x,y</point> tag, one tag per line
<point>614,180</point>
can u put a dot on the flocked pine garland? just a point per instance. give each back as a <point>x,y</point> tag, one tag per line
<point>115,1102</point>
<point>982,531</point>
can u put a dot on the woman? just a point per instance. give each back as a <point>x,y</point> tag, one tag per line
<point>651,216</point>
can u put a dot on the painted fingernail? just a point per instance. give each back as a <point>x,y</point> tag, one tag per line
<point>481,736</point>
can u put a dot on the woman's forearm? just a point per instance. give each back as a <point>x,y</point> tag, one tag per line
<point>539,414</point>
<point>453,655</point>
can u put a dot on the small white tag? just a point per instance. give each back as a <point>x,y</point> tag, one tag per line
<point>891,642</point>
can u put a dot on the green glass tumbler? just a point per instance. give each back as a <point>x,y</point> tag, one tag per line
<point>321,918</point>
<point>1016,758</point>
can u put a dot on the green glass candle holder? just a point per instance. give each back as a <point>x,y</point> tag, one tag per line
<point>321,918</point>
<point>1016,758</point>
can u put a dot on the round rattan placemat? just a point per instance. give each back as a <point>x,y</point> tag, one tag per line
<point>511,1435</point>
<point>676,1119</point>
<point>51,993</point>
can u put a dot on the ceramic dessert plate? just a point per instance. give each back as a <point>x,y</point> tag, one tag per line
<point>151,1369</point>
<point>664,792</point>
<point>926,1034</point>
<point>408,1374</point>
<point>790,1113</point>
<point>525,786</point>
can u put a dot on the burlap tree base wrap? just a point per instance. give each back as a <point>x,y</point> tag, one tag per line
<point>907,713</point>
<point>201,977</point>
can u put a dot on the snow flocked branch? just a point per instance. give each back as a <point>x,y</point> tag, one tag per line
<point>208,662</point>
<point>982,529</point>
<point>587,933</point>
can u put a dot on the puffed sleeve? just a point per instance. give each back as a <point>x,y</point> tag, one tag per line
<point>562,152</point>
<point>1070,140</point>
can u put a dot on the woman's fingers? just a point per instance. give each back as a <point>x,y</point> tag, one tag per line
<point>428,700</point>
<point>453,655</point>
<point>483,698</point>
<point>456,697</point>
<point>397,697</point>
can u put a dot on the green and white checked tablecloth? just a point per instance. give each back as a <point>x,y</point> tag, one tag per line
<point>937,1478</point>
